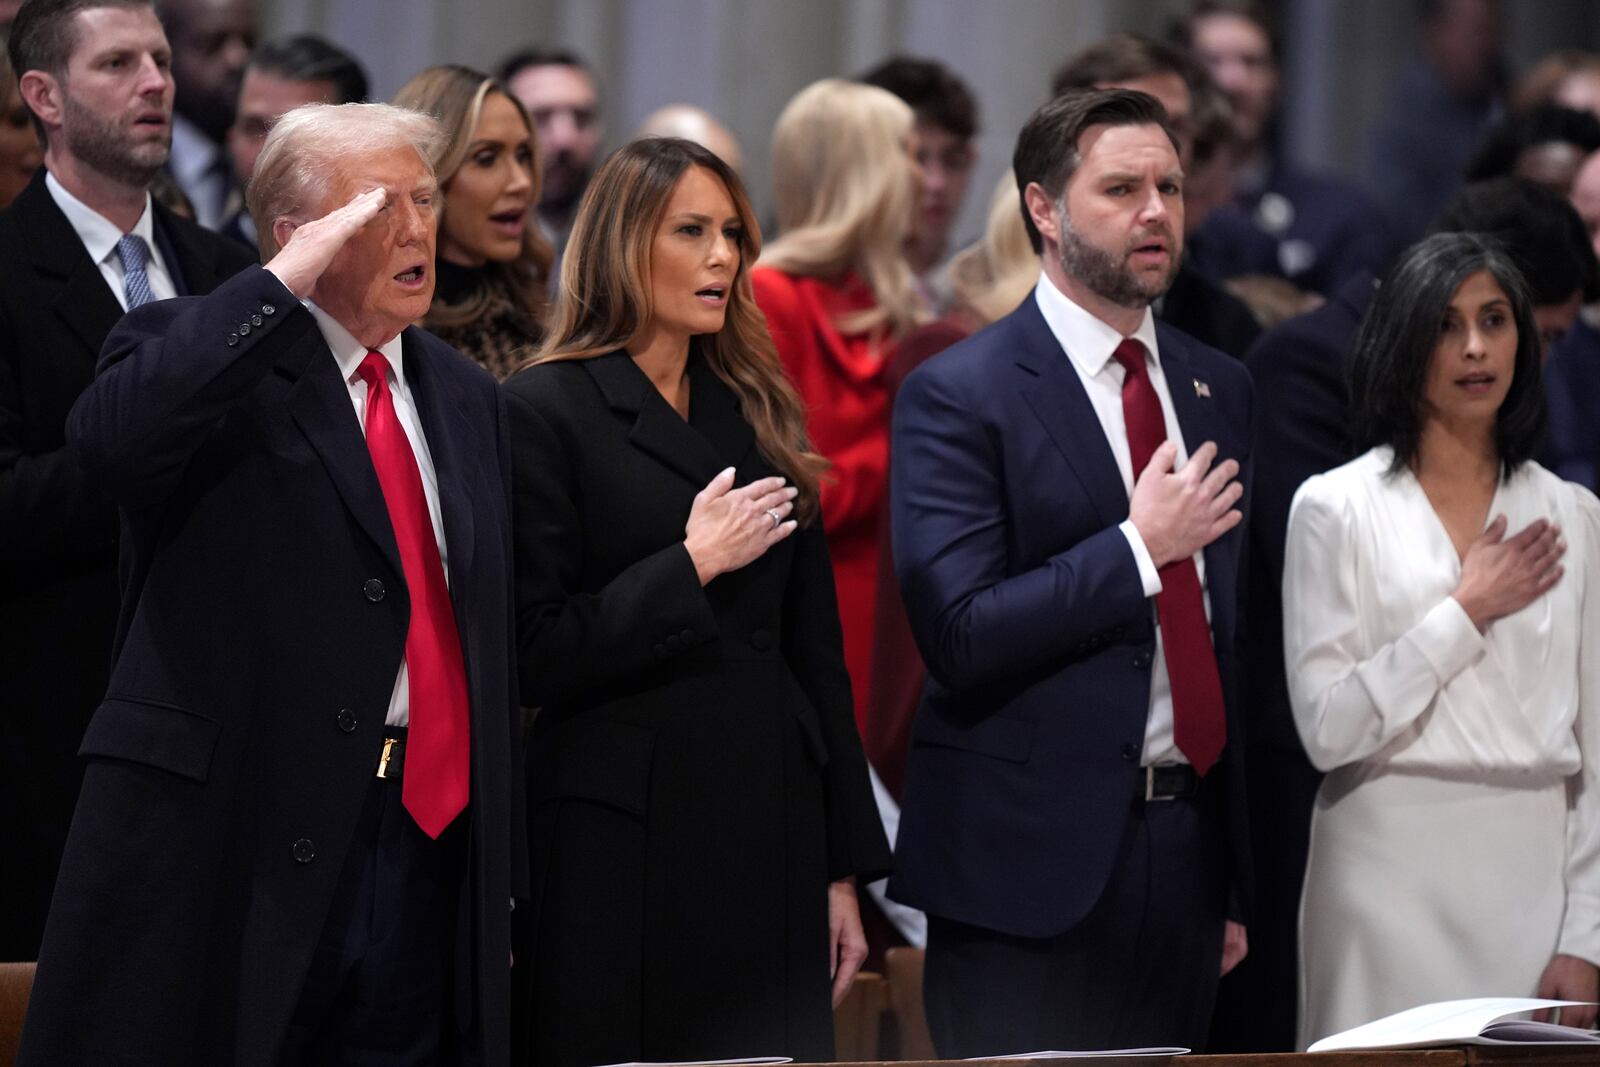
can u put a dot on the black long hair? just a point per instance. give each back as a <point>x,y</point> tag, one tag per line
<point>1389,363</point>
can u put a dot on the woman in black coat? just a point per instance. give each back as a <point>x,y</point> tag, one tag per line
<point>700,805</point>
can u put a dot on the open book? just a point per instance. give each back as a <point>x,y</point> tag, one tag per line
<point>1480,1021</point>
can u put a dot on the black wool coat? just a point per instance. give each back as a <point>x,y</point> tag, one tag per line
<point>696,779</point>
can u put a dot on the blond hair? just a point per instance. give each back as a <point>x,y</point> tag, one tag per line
<point>990,277</point>
<point>844,196</point>
<point>455,95</point>
<point>295,170</point>
<point>604,302</point>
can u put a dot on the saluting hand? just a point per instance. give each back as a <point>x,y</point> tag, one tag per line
<point>312,245</point>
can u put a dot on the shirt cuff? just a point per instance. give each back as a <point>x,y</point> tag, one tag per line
<point>1580,928</point>
<point>1447,639</point>
<point>1149,576</point>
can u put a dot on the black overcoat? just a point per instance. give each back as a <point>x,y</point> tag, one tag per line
<point>696,775</point>
<point>58,535</point>
<point>263,623</point>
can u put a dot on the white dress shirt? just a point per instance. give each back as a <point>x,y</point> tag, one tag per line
<point>100,236</point>
<point>349,353</point>
<point>1089,344</point>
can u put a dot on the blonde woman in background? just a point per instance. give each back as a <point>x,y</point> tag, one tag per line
<point>988,279</point>
<point>493,264</point>
<point>838,294</point>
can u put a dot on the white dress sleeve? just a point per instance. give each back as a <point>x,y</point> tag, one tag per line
<point>1580,928</point>
<point>1348,701</point>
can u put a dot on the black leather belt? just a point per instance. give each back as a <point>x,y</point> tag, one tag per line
<point>392,761</point>
<point>1171,781</point>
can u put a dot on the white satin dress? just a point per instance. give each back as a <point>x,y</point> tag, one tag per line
<point>1455,843</point>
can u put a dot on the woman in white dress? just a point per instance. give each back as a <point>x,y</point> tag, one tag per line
<point>1442,638</point>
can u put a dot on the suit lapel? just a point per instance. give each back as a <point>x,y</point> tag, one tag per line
<point>84,302</point>
<point>1052,389</point>
<point>450,428</point>
<point>1199,421</point>
<point>319,403</point>
<point>658,430</point>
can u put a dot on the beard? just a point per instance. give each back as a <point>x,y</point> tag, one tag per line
<point>109,148</point>
<point>1110,277</point>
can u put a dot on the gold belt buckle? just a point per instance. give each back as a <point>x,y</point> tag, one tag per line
<point>383,760</point>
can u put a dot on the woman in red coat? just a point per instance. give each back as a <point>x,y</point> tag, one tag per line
<point>838,293</point>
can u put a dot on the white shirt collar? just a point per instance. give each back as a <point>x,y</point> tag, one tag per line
<point>98,233</point>
<point>1087,340</point>
<point>348,352</point>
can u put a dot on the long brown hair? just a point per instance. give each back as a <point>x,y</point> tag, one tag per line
<point>604,302</point>
<point>455,96</point>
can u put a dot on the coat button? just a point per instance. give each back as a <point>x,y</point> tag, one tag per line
<point>760,639</point>
<point>244,329</point>
<point>1142,659</point>
<point>268,309</point>
<point>347,720</point>
<point>688,636</point>
<point>304,850</point>
<point>673,642</point>
<point>255,320</point>
<point>1130,752</point>
<point>373,589</point>
<point>233,340</point>
<point>661,652</point>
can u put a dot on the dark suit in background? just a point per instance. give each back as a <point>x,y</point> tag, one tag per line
<point>58,534</point>
<point>1572,393</point>
<point>263,625</point>
<point>696,777</point>
<point>1023,812</point>
<point>1303,429</point>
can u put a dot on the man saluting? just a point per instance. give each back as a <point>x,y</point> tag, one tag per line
<point>293,839</point>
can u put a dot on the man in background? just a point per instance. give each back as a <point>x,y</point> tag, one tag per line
<point>82,243</point>
<point>211,43</point>
<point>282,75</point>
<point>946,126</point>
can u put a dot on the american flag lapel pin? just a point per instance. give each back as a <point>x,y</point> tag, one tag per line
<point>1201,389</point>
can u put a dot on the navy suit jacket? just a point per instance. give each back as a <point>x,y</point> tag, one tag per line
<point>1027,605</point>
<point>1572,393</point>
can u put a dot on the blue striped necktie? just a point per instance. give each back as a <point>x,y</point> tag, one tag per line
<point>135,254</point>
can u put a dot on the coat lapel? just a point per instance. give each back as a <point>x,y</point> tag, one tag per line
<point>450,426</point>
<point>658,430</point>
<point>319,403</point>
<point>84,302</point>
<point>1051,388</point>
<point>714,413</point>
<point>1200,421</point>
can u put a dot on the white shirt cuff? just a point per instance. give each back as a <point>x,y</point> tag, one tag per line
<point>1149,577</point>
<point>1447,639</point>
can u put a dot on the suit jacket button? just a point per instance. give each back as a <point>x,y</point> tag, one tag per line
<point>268,309</point>
<point>687,635</point>
<point>661,652</point>
<point>1130,752</point>
<point>304,850</point>
<point>673,642</point>
<point>373,589</point>
<point>760,639</point>
<point>255,320</point>
<point>1142,659</point>
<point>233,340</point>
<point>244,329</point>
<point>347,720</point>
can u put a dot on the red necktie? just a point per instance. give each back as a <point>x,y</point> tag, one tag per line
<point>434,789</point>
<point>1199,721</point>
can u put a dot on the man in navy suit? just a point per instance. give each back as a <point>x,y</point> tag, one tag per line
<point>1067,489</point>
<point>293,841</point>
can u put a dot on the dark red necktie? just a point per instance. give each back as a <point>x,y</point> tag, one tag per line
<point>1199,720</point>
<point>434,789</point>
